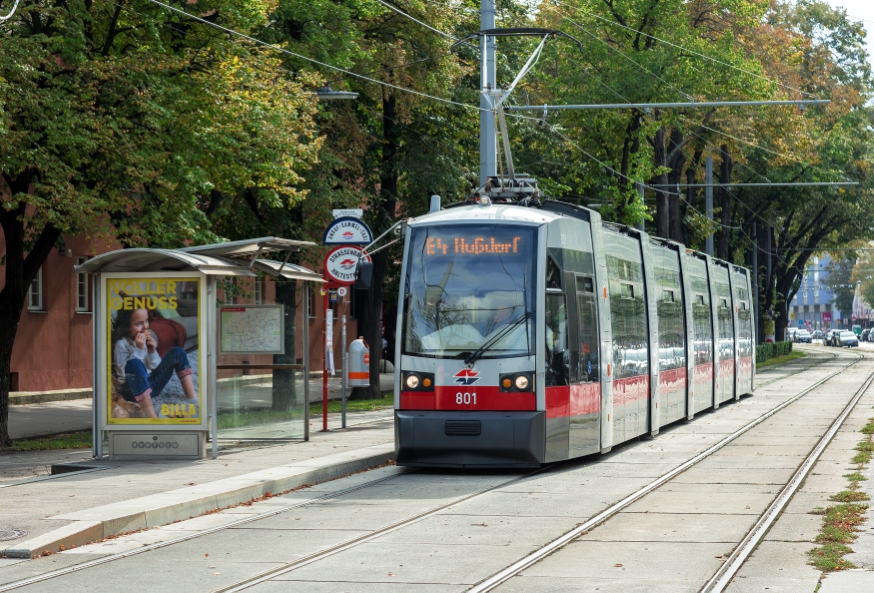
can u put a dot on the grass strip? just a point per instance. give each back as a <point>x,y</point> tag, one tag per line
<point>840,522</point>
<point>72,440</point>
<point>356,405</point>
<point>795,355</point>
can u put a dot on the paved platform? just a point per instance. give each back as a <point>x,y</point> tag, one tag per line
<point>127,496</point>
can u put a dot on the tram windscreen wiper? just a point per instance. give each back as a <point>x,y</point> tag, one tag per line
<point>476,354</point>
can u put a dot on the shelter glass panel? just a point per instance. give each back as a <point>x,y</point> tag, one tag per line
<point>262,396</point>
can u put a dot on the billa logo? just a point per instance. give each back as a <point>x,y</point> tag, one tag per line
<point>348,263</point>
<point>466,377</point>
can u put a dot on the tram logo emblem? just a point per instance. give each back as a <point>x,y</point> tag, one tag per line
<point>466,377</point>
<point>348,235</point>
<point>348,263</point>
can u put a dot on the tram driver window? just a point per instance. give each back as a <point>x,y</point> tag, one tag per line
<point>557,355</point>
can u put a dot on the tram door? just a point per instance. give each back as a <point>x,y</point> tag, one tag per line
<point>585,387</point>
<point>702,337</point>
<point>725,335</point>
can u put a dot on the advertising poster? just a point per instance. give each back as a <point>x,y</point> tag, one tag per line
<point>154,341</point>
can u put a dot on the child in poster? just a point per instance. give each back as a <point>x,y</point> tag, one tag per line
<point>141,370</point>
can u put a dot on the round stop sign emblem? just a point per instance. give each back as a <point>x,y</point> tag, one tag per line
<point>340,263</point>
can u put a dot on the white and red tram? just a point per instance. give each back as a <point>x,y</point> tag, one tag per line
<point>529,335</point>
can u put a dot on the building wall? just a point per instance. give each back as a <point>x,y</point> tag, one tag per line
<point>53,345</point>
<point>814,298</point>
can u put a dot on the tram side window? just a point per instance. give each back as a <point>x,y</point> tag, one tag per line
<point>588,331</point>
<point>557,355</point>
<point>703,336</point>
<point>553,274</point>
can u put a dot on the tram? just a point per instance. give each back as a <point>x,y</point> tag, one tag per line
<point>535,332</point>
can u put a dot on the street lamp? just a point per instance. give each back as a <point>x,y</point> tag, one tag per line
<point>326,93</point>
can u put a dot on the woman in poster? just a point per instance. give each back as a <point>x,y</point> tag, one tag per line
<point>139,370</point>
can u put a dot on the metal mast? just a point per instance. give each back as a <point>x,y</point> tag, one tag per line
<point>487,139</point>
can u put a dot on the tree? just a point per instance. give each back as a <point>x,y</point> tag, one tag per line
<point>133,123</point>
<point>840,282</point>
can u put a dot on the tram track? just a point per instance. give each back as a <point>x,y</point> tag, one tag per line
<point>485,585</point>
<point>734,563</point>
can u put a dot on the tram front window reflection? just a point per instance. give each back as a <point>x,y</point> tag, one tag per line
<point>468,288</point>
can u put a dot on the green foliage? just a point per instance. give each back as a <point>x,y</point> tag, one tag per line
<point>770,350</point>
<point>72,440</point>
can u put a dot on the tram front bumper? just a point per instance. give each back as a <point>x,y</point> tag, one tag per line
<point>469,439</point>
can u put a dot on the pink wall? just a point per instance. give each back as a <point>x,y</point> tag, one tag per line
<point>53,346</point>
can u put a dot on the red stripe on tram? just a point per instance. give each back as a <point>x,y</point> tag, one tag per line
<point>485,398</point>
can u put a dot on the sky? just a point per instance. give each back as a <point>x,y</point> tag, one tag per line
<point>862,9</point>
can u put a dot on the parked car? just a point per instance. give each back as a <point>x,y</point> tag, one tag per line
<point>803,336</point>
<point>848,339</point>
<point>817,335</point>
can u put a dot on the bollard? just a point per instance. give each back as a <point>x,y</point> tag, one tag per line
<point>359,363</point>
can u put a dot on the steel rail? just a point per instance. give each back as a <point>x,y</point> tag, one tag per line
<point>149,547</point>
<point>810,366</point>
<point>732,566</point>
<point>306,559</point>
<point>290,566</point>
<point>517,567</point>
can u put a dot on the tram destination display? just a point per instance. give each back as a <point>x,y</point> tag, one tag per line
<point>455,243</point>
<point>154,338</point>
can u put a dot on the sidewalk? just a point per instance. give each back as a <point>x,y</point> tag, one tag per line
<point>53,417</point>
<point>118,497</point>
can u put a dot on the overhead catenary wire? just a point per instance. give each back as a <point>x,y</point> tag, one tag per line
<point>314,61</point>
<point>426,25</point>
<point>686,49</point>
<point>11,12</point>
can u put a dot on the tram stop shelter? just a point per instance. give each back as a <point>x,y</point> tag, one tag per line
<point>174,366</point>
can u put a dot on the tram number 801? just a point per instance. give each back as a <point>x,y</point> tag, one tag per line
<point>465,398</point>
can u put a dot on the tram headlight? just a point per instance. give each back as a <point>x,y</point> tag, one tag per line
<point>412,381</point>
<point>522,382</point>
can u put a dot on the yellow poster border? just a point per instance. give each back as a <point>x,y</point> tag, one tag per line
<point>180,422</point>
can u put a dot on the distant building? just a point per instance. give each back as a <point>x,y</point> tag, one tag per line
<point>813,305</point>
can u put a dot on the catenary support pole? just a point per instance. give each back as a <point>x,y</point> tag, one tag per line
<point>344,374</point>
<point>708,197</point>
<point>487,139</point>
<point>755,279</point>
<point>306,361</point>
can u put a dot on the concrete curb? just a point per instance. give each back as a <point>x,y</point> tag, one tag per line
<point>21,398</point>
<point>159,509</point>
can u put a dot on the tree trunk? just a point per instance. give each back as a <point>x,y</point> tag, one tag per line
<point>677,162</point>
<point>663,203</point>
<point>20,272</point>
<point>284,385</point>
<point>369,303</point>
<point>723,249</point>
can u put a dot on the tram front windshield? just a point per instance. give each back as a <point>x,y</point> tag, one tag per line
<point>470,289</point>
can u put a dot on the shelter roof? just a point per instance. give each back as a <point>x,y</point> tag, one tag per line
<point>223,259</point>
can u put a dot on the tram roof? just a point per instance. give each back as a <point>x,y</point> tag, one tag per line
<point>490,213</point>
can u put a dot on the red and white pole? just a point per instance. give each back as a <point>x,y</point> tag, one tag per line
<point>325,366</point>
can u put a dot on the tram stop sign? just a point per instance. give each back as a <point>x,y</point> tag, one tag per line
<point>340,263</point>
